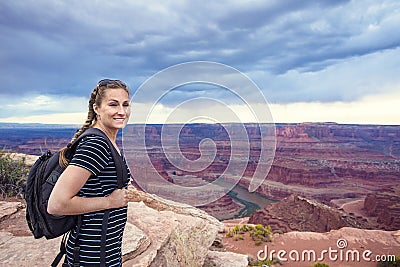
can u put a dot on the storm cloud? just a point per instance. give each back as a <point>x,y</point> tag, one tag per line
<point>295,51</point>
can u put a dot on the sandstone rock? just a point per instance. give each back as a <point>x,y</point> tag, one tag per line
<point>29,159</point>
<point>223,208</point>
<point>151,238</point>
<point>9,208</point>
<point>161,204</point>
<point>176,239</point>
<point>26,251</point>
<point>396,235</point>
<point>386,207</point>
<point>225,259</point>
<point>352,235</point>
<point>304,215</point>
<point>135,241</point>
<point>171,234</point>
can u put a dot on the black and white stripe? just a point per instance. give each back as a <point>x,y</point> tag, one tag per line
<point>93,154</point>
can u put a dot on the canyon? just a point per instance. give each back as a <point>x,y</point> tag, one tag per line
<point>326,162</point>
<point>326,182</point>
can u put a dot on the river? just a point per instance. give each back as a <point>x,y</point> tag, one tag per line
<point>251,201</point>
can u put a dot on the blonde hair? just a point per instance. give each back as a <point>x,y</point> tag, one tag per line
<point>95,98</point>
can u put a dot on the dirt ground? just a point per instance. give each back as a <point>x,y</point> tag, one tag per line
<point>16,224</point>
<point>303,243</point>
<point>373,244</point>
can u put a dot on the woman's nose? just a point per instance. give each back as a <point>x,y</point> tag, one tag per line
<point>121,109</point>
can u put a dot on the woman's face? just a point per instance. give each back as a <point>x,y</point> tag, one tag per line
<point>115,109</point>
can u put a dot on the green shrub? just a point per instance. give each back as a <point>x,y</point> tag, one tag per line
<point>13,173</point>
<point>229,234</point>
<point>258,233</point>
<point>320,264</point>
<point>278,232</point>
<point>258,243</point>
<point>259,227</point>
<point>245,228</point>
<point>235,229</point>
<point>267,262</point>
<point>261,233</point>
<point>255,262</point>
<point>238,237</point>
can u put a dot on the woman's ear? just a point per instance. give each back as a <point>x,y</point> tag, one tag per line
<point>95,109</point>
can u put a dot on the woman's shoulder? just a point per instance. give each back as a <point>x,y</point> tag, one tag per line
<point>92,153</point>
<point>94,138</point>
<point>94,141</point>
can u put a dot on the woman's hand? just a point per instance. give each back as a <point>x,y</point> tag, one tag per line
<point>64,200</point>
<point>118,198</point>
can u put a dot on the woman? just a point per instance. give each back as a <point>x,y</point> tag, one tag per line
<point>88,186</point>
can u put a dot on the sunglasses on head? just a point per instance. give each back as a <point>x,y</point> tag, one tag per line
<point>106,82</point>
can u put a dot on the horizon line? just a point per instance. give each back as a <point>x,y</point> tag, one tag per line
<point>199,123</point>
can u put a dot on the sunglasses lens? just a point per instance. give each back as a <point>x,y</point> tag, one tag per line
<point>106,82</point>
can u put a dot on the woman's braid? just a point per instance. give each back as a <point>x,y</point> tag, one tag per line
<point>91,116</point>
<point>95,98</point>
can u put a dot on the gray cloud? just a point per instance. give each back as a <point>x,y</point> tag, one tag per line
<point>294,47</point>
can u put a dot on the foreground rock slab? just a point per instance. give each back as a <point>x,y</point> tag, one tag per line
<point>176,239</point>
<point>135,241</point>
<point>226,259</point>
<point>172,234</point>
<point>28,251</point>
<point>9,208</point>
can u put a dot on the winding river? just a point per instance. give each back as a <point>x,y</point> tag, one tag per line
<point>251,201</point>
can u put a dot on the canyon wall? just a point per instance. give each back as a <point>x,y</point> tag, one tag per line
<point>297,213</point>
<point>322,161</point>
<point>386,207</point>
<point>359,159</point>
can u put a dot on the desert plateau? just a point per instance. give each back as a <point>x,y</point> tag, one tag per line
<point>327,183</point>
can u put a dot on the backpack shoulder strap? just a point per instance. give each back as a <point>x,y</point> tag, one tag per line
<point>121,176</point>
<point>119,164</point>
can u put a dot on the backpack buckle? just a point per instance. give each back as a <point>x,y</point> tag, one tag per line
<point>76,256</point>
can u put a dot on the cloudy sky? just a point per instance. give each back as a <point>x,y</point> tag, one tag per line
<point>312,60</point>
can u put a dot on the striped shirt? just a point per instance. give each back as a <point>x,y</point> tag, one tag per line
<point>94,155</point>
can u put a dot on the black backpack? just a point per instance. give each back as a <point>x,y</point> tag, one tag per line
<point>40,182</point>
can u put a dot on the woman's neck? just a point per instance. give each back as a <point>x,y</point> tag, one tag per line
<point>111,133</point>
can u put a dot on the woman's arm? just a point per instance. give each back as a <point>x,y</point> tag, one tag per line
<point>63,199</point>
